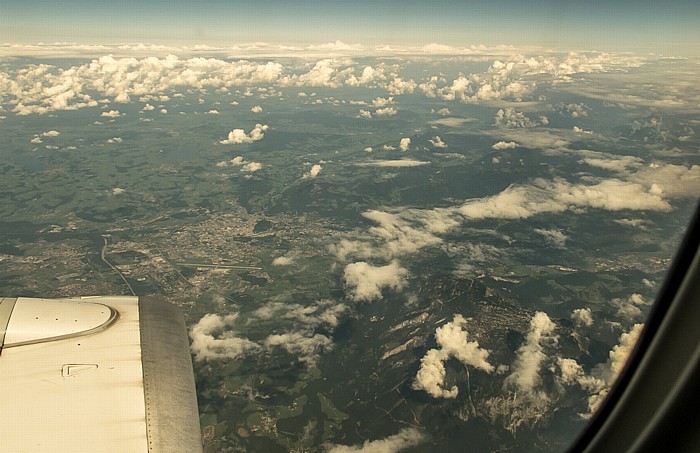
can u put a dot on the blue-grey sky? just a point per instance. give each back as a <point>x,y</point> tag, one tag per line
<point>639,26</point>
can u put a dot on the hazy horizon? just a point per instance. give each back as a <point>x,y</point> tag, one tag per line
<point>640,27</point>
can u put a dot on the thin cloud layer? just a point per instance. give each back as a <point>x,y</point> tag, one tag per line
<point>521,202</point>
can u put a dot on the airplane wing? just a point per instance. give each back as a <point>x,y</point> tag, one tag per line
<point>96,374</point>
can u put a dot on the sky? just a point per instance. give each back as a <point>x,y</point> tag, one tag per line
<point>638,26</point>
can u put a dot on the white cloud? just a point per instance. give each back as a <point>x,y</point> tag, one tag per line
<point>431,375</point>
<point>505,145</point>
<point>406,438</point>
<point>238,161</point>
<point>213,338</point>
<point>400,86</point>
<point>307,346</point>
<point>452,342</point>
<point>115,140</point>
<point>283,261</point>
<point>51,133</point>
<point>525,374</point>
<point>256,109</point>
<point>368,149</point>
<point>437,142</point>
<point>404,143</point>
<point>602,376</point>
<point>510,118</point>
<point>111,114</point>
<point>444,111</point>
<point>365,114</point>
<point>365,282</point>
<point>239,136</point>
<point>578,130</point>
<point>313,172</point>
<point>212,112</point>
<point>147,108</point>
<point>326,313</point>
<point>36,140</point>
<point>452,122</point>
<point>543,196</point>
<point>628,309</point>
<point>47,88</point>
<point>380,102</point>
<point>621,352</point>
<point>386,111</point>
<point>251,167</point>
<point>118,191</point>
<point>399,163</point>
<point>582,317</point>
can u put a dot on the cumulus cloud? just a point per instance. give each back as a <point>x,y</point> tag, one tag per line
<point>526,369</point>
<point>46,88</point>
<point>111,114</point>
<point>213,338</point>
<point>283,261</point>
<point>629,309</point>
<point>256,109</point>
<point>406,438</point>
<point>51,133</point>
<point>621,352</point>
<point>365,114</point>
<point>380,102</point>
<point>386,111</point>
<point>147,108</point>
<point>115,140</point>
<point>251,167</point>
<point>365,282</point>
<point>504,145</point>
<point>602,377</point>
<point>437,142</point>
<point>517,78</point>
<point>238,161</point>
<point>313,172</point>
<point>578,130</point>
<point>368,149</point>
<point>404,144</point>
<point>431,375</point>
<point>582,317</point>
<point>400,86</point>
<point>212,112</point>
<point>510,118</point>
<point>452,342</point>
<point>118,191</point>
<point>237,136</point>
